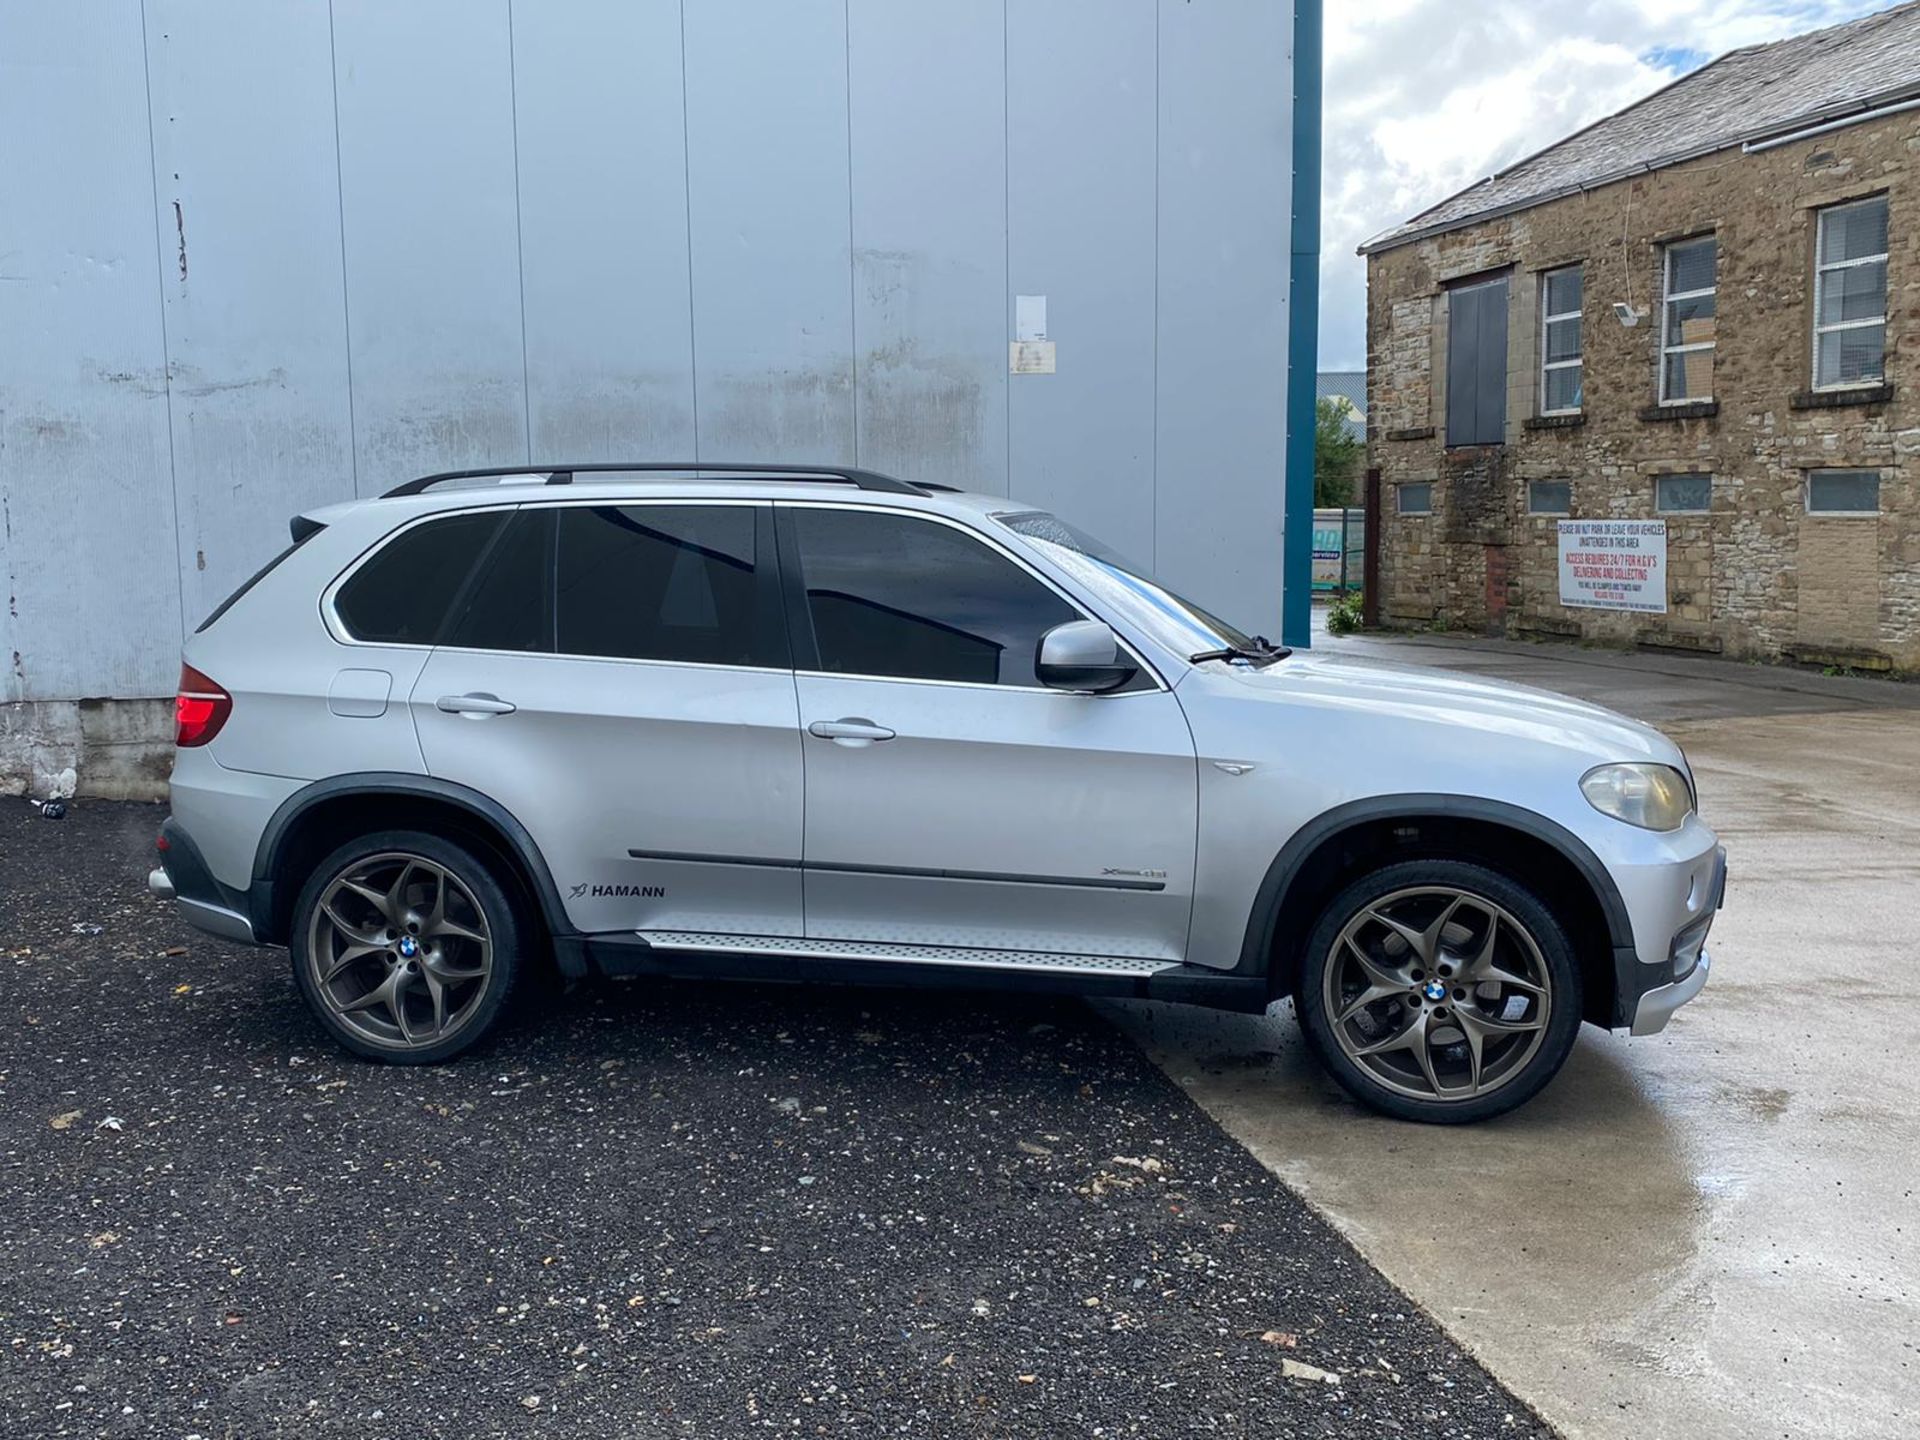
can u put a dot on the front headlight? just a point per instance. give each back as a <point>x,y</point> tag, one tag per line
<point>1654,797</point>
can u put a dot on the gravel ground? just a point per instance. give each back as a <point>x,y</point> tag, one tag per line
<point>652,1210</point>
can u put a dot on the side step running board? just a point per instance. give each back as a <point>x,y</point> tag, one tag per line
<point>689,955</point>
<point>793,947</point>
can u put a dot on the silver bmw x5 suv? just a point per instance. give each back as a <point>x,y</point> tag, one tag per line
<point>780,723</point>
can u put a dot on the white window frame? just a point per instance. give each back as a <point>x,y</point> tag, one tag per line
<point>1671,297</point>
<point>1879,483</point>
<point>1547,320</point>
<point>1400,497</point>
<point>1821,269</point>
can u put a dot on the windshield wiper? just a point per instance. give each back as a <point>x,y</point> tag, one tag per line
<point>1261,652</point>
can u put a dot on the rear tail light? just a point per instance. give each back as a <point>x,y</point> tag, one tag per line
<point>199,710</point>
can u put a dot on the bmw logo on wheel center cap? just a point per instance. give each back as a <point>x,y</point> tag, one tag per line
<point>409,947</point>
<point>1433,989</point>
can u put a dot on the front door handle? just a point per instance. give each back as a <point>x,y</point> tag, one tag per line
<point>852,730</point>
<point>475,705</point>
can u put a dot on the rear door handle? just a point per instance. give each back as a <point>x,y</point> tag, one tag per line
<point>853,729</point>
<point>477,704</point>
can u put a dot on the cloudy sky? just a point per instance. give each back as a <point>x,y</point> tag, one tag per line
<point>1423,97</point>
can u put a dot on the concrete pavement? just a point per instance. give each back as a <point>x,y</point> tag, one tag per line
<point>1714,1232</point>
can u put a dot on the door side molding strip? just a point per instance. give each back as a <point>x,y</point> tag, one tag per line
<point>1085,882</point>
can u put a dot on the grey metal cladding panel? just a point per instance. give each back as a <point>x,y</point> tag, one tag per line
<point>1080,102</point>
<point>247,191</point>
<point>425,100</point>
<point>1490,414</point>
<point>93,600</point>
<point>1225,163</point>
<point>772,302</point>
<point>927,99</point>
<point>603,229</point>
<point>1477,364</point>
<point>1463,366</point>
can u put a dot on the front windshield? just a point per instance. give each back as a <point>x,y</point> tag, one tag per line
<point>1183,625</point>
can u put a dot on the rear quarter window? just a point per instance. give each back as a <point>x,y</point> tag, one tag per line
<point>404,594</point>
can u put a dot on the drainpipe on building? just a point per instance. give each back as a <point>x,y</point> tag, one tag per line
<point>1303,330</point>
<point>1370,553</point>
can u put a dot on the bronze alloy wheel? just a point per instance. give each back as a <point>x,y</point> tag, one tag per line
<point>1437,993</point>
<point>398,951</point>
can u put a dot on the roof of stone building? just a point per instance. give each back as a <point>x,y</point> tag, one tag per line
<point>1745,96</point>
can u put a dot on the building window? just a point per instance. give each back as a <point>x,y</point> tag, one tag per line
<point>1682,494</point>
<point>1687,321</point>
<point>1560,360</point>
<point>1843,492</point>
<point>1549,497</point>
<point>1477,363</point>
<point>1415,499</point>
<point>1850,295</point>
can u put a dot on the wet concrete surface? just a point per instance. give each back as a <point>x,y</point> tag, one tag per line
<point>649,1210</point>
<point>1713,1232</point>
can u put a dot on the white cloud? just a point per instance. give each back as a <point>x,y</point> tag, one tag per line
<point>1424,97</point>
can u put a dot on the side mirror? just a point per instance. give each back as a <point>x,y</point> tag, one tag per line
<point>1083,655</point>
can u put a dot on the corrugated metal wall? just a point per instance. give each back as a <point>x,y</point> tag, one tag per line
<point>255,258</point>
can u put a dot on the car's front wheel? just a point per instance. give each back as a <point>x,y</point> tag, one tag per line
<point>1439,990</point>
<point>406,946</point>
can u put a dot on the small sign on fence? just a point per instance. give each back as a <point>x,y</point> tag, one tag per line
<point>1339,537</point>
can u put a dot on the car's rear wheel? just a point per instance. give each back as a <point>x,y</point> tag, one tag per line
<point>1439,990</point>
<point>406,946</point>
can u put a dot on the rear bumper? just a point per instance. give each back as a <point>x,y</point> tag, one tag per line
<point>182,876</point>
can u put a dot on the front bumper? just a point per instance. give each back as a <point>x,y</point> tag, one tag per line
<point>1649,994</point>
<point>1656,1007</point>
<point>182,876</point>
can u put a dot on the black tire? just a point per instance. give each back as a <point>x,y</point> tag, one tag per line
<point>1547,1005</point>
<point>479,902</point>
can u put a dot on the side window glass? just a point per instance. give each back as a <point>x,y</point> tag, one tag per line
<point>663,582</point>
<point>510,607</point>
<point>402,595</point>
<point>891,595</point>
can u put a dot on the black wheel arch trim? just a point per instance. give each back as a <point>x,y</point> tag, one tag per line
<point>192,878</point>
<point>377,783</point>
<point>1269,903</point>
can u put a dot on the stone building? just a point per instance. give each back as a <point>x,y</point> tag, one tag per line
<point>1699,316</point>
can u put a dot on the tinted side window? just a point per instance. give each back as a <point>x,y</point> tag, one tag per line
<point>403,594</point>
<point>896,596</point>
<point>510,607</point>
<point>663,582</point>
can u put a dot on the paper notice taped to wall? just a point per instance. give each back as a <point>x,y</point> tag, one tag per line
<point>1031,357</point>
<point>1029,317</point>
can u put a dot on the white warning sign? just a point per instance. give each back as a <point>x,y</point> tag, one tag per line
<point>1614,565</point>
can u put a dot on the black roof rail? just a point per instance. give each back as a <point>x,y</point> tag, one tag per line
<point>563,475</point>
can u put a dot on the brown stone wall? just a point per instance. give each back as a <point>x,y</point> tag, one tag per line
<point>1755,577</point>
